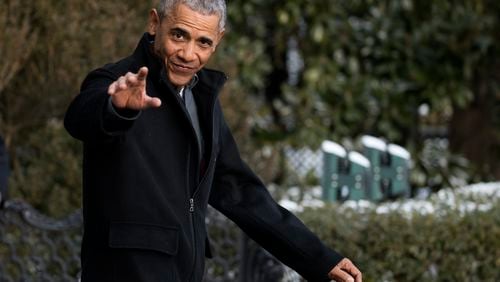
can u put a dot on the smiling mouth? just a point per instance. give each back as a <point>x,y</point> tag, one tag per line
<point>182,68</point>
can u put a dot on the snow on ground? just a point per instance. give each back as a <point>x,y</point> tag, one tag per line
<point>469,198</point>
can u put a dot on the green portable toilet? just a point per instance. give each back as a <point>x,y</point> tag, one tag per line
<point>333,156</point>
<point>390,168</point>
<point>346,175</point>
<point>374,149</point>
<point>398,171</point>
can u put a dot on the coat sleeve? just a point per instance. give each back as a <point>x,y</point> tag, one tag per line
<point>90,116</point>
<point>239,194</point>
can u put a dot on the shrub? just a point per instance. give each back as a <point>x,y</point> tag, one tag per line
<point>447,245</point>
<point>49,174</point>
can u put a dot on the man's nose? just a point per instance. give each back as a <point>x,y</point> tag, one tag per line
<point>187,52</point>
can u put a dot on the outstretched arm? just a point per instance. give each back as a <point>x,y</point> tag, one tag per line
<point>108,104</point>
<point>242,197</point>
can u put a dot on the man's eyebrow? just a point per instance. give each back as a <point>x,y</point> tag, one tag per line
<point>185,33</point>
<point>180,31</point>
<point>206,40</point>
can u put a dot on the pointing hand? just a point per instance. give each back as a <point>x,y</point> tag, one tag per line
<point>129,92</point>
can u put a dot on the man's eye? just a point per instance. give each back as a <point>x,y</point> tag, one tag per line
<point>177,35</point>
<point>206,43</point>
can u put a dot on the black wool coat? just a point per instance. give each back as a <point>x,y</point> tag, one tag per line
<point>145,197</point>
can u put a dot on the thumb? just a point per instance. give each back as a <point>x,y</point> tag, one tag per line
<point>153,102</point>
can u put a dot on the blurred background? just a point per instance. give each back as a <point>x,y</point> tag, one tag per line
<point>421,74</point>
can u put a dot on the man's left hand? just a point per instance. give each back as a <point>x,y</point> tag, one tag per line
<point>345,271</point>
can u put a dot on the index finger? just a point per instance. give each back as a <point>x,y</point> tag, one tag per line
<point>142,73</point>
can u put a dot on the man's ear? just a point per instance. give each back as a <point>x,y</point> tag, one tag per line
<point>219,38</point>
<point>154,22</point>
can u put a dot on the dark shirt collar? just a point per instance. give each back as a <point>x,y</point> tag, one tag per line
<point>189,87</point>
<point>193,82</point>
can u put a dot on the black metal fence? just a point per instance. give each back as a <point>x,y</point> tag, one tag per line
<point>34,247</point>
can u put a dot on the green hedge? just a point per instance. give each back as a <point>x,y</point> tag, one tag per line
<point>447,245</point>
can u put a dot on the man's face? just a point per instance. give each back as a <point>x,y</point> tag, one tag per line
<point>185,41</point>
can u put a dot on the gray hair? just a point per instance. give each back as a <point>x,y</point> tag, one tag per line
<point>205,7</point>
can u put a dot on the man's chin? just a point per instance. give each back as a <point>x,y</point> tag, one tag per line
<point>180,80</point>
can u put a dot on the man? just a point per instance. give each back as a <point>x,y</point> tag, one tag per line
<point>157,150</point>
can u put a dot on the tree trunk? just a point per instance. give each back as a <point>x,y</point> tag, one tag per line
<point>474,130</point>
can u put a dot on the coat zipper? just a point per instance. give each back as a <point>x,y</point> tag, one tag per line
<point>193,235</point>
<point>191,205</point>
<point>191,200</point>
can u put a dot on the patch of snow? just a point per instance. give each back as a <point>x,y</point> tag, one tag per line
<point>476,197</point>
<point>291,205</point>
<point>373,142</point>
<point>399,151</point>
<point>294,192</point>
<point>491,189</point>
<point>359,159</point>
<point>333,148</point>
<point>316,192</point>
